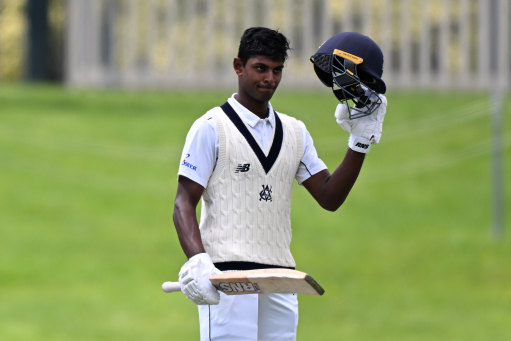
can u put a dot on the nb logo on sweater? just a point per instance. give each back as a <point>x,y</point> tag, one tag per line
<point>245,167</point>
<point>362,145</point>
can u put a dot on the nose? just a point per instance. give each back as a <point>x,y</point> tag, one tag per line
<point>270,77</point>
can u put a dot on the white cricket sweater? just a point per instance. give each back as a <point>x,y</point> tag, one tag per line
<point>246,205</point>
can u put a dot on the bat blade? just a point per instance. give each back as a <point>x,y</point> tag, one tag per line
<point>265,281</point>
<point>262,281</point>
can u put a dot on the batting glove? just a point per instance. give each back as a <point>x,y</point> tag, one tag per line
<point>194,280</point>
<point>364,131</point>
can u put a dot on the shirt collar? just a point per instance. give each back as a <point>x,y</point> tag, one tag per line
<point>249,117</point>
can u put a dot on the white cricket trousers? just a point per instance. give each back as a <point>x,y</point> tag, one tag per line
<point>263,317</point>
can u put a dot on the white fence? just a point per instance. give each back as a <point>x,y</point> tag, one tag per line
<point>191,43</point>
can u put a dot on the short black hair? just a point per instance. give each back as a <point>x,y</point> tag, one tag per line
<point>262,41</point>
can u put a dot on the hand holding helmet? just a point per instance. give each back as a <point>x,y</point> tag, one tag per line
<point>352,65</point>
<point>365,130</point>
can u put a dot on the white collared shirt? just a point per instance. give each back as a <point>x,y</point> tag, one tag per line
<point>200,151</point>
<point>261,128</point>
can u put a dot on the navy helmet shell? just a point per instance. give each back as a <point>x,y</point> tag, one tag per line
<point>370,70</point>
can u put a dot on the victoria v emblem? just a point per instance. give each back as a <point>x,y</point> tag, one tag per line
<point>265,194</point>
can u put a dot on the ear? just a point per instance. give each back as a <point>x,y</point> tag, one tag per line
<point>238,66</point>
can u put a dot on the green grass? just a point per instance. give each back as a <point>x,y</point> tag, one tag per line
<point>87,180</point>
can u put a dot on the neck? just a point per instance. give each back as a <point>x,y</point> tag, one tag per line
<point>258,108</point>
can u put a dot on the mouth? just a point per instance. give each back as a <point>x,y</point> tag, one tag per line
<point>267,88</point>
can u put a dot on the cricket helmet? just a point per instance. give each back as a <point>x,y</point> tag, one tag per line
<point>352,65</point>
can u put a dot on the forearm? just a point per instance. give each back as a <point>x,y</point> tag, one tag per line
<point>187,228</point>
<point>339,184</point>
<point>331,190</point>
<point>185,216</point>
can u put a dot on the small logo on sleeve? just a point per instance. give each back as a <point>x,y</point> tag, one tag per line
<point>188,164</point>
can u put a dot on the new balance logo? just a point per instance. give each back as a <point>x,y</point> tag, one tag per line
<point>243,168</point>
<point>362,145</point>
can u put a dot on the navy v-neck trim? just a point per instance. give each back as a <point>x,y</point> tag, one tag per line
<point>266,161</point>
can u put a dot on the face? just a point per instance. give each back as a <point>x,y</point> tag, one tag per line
<point>258,79</point>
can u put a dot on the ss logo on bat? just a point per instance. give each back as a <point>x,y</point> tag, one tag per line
<point>241,287</point>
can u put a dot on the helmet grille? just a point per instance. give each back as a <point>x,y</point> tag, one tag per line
<point>323,62</point>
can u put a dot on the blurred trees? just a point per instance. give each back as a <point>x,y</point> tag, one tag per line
<point>12,39</point>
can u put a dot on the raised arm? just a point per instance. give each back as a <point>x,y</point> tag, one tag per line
<point>330,190</point>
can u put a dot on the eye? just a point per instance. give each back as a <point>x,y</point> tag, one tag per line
<point>260,67</point>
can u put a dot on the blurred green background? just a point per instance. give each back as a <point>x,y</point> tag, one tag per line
<point>87,180</point>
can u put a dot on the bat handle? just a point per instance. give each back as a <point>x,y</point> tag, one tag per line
<point>171,286</point>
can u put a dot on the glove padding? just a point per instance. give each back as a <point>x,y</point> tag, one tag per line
<point>364,131</point>
<point>194,280</point>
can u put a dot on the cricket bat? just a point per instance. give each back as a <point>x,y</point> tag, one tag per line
<point>263,281</point>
